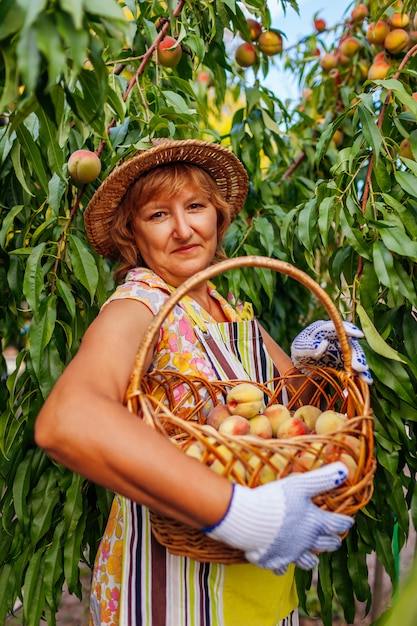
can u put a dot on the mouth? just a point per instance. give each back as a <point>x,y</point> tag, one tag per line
<point>185,249</point>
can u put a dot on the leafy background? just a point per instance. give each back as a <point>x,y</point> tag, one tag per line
<point>77,74</point>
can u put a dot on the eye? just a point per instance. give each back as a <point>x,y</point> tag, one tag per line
<point>156,215</point>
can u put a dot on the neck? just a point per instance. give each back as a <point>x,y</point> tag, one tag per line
<point>202,296</point>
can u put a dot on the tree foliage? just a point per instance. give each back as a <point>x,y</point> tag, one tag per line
<point>343,207</point>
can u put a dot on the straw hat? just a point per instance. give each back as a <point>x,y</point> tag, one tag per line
<point>225,168</point>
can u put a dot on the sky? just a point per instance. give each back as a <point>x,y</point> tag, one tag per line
<point>296,26</point>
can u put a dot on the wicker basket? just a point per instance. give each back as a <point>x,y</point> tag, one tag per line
<point>150,396</point>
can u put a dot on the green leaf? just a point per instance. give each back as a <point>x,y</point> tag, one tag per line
<point>394,376</point>
<point>343,584</point>
<point>306,221</point>
<point>28,58</point>
<point>34,596</point>
<point>44,497</point>
<point>41,330</point>
<point>374,338</point>
<point>49,136</point>
<point>75,9</point>
<point>7,224</point>
<point>6,586</point>
<point>33,9</point>
<point>104,8</point>
<point>83,264</point>
<point>177,101</point>
<point>21,487</point>
<point>407,181</point>
<point>33,155</point>
<point>326,217</point>
<point>33,282</point>
<point>10,85</point>
<point>266,232</point>
<point>19,169</point>
<point>325,589</point>
<point>65,293</point>
<point>371,132</point>
<point>396,240</point>
<point>353,235</point>
<point>53,576</point>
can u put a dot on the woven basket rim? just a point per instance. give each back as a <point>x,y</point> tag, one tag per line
<point>221,163</point>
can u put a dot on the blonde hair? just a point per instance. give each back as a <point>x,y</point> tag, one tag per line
<point>164,180</point>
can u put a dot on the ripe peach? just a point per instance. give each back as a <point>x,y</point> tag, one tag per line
<point>235,425</point>
<point>319,24</point>
<point>204,78</point>
<point>338,137</point>
<point>260,426</point>
<point>363,67</point>
<point>350,464</point>
<point>379,70</point>
<point>279,461</point>
<point>255,29</point>
<point>377,32</point>
<point>169,52</point>
<point>396,41</point>
<point>343,60</point>
<point>329,421</point>
<point>217,414</point>
<point>195,450</point>
<point>309,414</point>
<point>346,442</point>
<point>245,399</point>
<point>292,427</point>
<point>222,464</point>
<point>270,42</point>
<point>246,55</point>
<point>276,413</point>
<point>349,46</point>
<point>328,61</point>
<point>405,149</point>
<point>310,458</point>
<point>263,472</point>
<point>84,166</point>
<point>399,20</point>
<point>359,13</point>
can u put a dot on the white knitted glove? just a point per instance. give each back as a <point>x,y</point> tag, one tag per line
<point>318,344</point>
<point>277,523</point>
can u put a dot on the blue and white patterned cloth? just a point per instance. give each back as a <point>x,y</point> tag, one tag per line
<point>318,344</point>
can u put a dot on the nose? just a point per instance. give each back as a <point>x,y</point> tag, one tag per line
<point>182,225</point>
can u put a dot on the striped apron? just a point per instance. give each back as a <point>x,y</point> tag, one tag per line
<point>160,589</point>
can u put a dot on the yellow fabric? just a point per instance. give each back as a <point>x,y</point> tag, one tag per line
<point>272,597</point>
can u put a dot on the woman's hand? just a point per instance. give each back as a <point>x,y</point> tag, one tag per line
<point>318,344</point>
<point>277,524</point>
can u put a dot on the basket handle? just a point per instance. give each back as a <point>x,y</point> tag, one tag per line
<point>247,261</point>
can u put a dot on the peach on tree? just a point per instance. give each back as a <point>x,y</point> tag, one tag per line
<point>255,29</point>
<point>246,55</point>
<point>377,32</point>
<point>319,24</point>
<point>84,166</point>
<point>396,41</point>
<point>270,42</point>
<point>169,52</point>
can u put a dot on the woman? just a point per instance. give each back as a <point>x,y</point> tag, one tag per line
<point>162,215</point>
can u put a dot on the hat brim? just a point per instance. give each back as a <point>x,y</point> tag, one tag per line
<point>224,167</point>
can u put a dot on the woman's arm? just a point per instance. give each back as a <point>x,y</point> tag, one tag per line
<point>85,426</point>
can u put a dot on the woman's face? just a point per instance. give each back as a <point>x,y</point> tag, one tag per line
<point>177,235</point>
